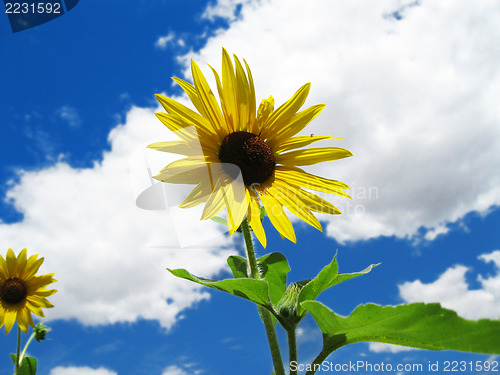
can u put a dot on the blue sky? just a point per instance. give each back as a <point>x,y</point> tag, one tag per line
<point>411,87</point>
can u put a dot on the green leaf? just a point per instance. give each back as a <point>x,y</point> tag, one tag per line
<point>327,278</point>
<point>238,266</point>
<point>273,268</point>
<point>418,325</point>
<point>254,290</point>
<point>28,365</point>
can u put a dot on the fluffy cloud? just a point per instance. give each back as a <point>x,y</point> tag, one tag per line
<point>163,41</point>
<point>109,256</point>
<point>81,371</point>
<point>452,291</point>
<point>173,370</point>
<point>411,86</point>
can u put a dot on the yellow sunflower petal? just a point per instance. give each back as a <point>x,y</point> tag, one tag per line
<point>11,263</point>
<point>38,302</point>
<point>215,204</point>
<point>207,98</point>
<point>237,201</point>
<point>37,310</point>
<point>189,170</point>
<point>38,282</point>
<point>23,318</point>
<point>266,107</point>
<point>277,216</point>
<point>288,199</point>
<point>9,319</point>
<point>251,98</point>
<point>284,112</point>
<point>296,123</point>
<point>198,195</point>
<point>33,266</point>
<point>3,269</point>
<point>21,262</point>
<point>191,92</point>
<point>254,218</point>
<point>175,147</point>
<point>298,142</point>
<point>243,93</point>
<point>312,156</point>
<point>300,178</point>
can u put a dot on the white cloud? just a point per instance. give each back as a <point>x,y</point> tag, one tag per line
<point>174,370</point>
<point>226,9</point>
<point>59,370</point>
<point>70,115</point>
<point>453,292</point>
<point>379,347</point>
<point>109,256</point>
<point>163,41</point>
<point>414,99</point>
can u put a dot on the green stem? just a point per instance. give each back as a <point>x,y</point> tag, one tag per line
<point>264,314</point>
<point>317,362</point>
<point>26,346</point>
<point>292,347</point>
<point>17,352</point>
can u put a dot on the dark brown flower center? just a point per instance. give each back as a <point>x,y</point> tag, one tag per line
<point>13,291</point>
<point>250,153</point>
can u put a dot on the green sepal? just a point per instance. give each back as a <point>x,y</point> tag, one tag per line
<point>417,325</point>
<point>262,212</point>
<point>219,220</point>
<point>28,365</point>
<point>252,289</point>
<point>327,278</point>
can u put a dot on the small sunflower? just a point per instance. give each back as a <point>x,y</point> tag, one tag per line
<point>21,292</point>
<point>241,158</point>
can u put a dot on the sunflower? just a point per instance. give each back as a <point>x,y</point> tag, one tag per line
<point>241,158</point>
<point>21,292</point>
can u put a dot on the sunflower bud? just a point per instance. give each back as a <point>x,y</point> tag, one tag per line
<point>40,332</point>
<point>288,304</point>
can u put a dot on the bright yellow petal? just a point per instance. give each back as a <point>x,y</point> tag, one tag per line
<point>254,218</point>
<point>298,142</point>
<point>9,319</point>
<point>33,266</point>
<point>243,94</point>
<point>237,201</point>
<point>197,196</point>
<point>211,108</point>
<point>312,156</point>
<point>281,116</point>
<point>251,99</point>
<point>23,319</point>
<point>38,301</point>
<point>266,107</point>
<point>299,178</point>
<point>296,123</point>
<point>176,147</point>
<point>276,215</point>
<point>3,269</point>
<point>186,114</point>
<point>215,204</point>
<point>189,170</point>
<point>288,199</point>
<point>38,282</point>
<point>11,263</point>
